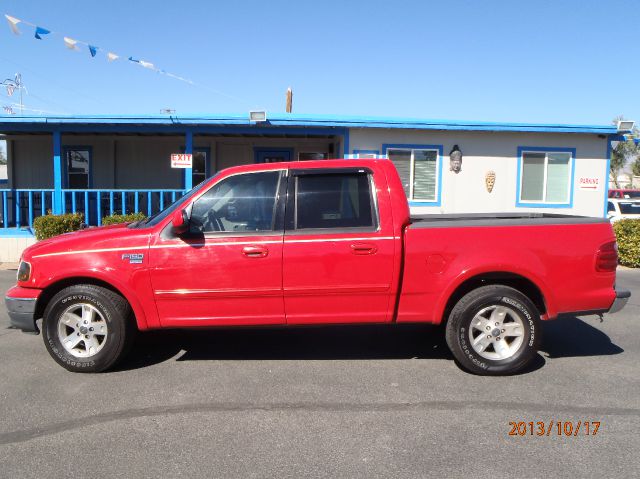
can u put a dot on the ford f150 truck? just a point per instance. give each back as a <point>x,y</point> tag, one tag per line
<point>318,242</point>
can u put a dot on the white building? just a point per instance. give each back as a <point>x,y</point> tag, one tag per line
<point>100,165</point>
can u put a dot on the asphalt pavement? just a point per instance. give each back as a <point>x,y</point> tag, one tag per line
<point>325,402</point>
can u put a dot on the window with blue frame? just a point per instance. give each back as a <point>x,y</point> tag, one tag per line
<point>418,170</point>
<point>545,177</point>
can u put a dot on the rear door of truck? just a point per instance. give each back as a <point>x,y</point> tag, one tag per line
<point>338,253</point>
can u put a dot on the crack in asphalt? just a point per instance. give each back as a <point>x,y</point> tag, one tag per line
<point>72,424</point>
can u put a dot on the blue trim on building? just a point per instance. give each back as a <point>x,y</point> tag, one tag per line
<point>16,233</point>
<point>607,175</point>
<point>440,149</point>
<point>136,122</point>
<point>545,149</point>
<point>57,173</point>
<point>345,147</point>
<point>187,178</point>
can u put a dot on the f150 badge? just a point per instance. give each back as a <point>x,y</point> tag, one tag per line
<point>134,258</point>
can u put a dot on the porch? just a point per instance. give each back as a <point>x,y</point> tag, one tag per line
<point>99,169</point>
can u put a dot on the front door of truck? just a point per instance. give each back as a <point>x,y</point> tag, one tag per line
<point>338,260</point>
<point>228,268</point>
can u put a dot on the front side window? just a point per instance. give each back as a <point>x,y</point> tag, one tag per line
<point>545,177</point>
<point>77,160</point>
<point>240,203</point>
<point>418,170</point>
<point>342,200</point>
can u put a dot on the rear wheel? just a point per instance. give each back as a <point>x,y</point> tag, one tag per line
<point>494,330</point>
<point>87,328</point>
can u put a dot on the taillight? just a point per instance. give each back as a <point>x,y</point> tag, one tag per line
<point>607,257</point>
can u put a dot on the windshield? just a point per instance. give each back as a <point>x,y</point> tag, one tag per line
<point>631,194</point>
<point>158,217</point>
<point>630,208</point>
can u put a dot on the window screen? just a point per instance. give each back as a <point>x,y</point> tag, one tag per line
<point>418,171</point>
<point>333,201</point>
<point>545,177</point>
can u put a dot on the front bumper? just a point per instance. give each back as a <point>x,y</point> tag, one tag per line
<point>622,296</point>
<point>21,308</point>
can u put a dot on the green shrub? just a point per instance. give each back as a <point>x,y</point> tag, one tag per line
<point>54,225</point>
<point>116,219</point>
<point>628,236</point>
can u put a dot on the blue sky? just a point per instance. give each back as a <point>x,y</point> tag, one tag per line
<point>537,61</point>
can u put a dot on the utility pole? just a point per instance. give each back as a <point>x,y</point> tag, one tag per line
<point>289,100</point>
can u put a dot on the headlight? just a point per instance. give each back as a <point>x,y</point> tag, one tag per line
<point>24,271</point>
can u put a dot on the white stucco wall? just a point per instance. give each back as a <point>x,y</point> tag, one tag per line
<point>465,192</point>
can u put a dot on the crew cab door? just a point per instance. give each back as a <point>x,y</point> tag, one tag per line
<point>228,268</point>
<point>338,257</point>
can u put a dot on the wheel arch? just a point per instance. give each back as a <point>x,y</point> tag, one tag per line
<point>54,288</point>
<point>516,281</point>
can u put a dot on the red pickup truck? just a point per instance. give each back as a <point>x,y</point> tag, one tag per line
<point>318,242</point>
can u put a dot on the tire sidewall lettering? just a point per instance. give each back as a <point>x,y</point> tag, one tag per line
<point>468,351</point>
<point>527,315</point>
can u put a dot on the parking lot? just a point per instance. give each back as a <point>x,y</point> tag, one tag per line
<point>324,402</point>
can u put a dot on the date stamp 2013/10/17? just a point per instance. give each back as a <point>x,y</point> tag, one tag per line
<point>555,428</point>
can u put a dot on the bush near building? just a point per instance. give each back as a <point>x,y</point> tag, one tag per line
<point>628,236</point>
<point>129,218</point>
<point>54,225</point>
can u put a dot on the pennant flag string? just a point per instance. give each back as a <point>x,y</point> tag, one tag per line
<point>73,44</point>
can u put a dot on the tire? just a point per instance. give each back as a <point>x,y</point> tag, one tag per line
<point>87,328</point>
<point>494,330</point>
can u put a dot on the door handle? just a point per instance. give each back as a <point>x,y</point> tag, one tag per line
<point>363,248</point>
<point>255,251</point>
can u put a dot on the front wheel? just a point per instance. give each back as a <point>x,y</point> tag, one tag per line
<point>87,328</point>
<point>494,330</point>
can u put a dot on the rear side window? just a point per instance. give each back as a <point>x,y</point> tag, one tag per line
<point>337,201</point>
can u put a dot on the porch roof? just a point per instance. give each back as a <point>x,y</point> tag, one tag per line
<point>206,122</point>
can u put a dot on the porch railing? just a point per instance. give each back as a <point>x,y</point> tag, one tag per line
<point>19,207</point>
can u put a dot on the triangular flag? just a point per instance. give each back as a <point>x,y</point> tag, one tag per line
<point>147,64</point>
<point>10,89</point>
<point>131,59</point>
<point>70,43</point>
<point>13,24</point>
<point>93,50</point>
<point>112,56</point>
<point>41,31</point>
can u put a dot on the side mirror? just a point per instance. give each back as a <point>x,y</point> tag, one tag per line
<point>180,221</point>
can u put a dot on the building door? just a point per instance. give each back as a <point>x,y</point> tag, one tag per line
<point>199,170</point>
<point>266,155</point>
